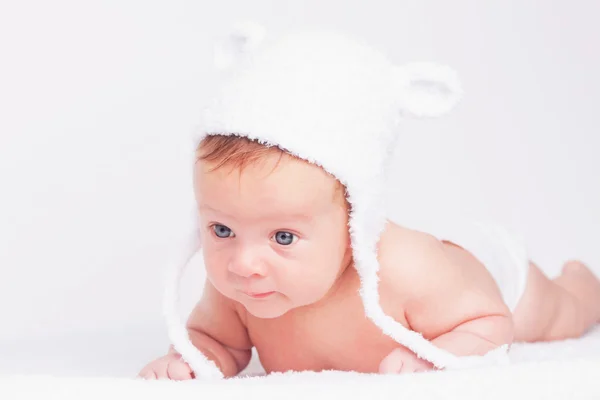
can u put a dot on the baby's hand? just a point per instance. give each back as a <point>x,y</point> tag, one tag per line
<point>170,366</point>
<point>403,361</point>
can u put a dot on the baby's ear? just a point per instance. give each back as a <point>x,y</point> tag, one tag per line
<point>427,89</point>
<point>241,40</point>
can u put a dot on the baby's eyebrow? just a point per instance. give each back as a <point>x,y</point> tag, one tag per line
<point>209,208</point>
<point>306,218</point>
<point>302,217</point>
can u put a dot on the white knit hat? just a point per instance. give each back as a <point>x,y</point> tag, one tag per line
<point>337,103</point>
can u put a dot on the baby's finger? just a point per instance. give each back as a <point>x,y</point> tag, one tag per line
<point>144,371</point>
<point>147,374</point>
<point>160,368</point>
<point>417,365</point>
<point>393,363</point>
<point>179,370</point>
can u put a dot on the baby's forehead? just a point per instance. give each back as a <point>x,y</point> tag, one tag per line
<point>283,170</point>
<point>288,186</point>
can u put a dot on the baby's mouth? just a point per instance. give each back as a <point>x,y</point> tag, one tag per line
<point>262,295</point>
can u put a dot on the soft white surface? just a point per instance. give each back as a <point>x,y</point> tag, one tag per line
<point>572,380</point>
<point>573,373</point>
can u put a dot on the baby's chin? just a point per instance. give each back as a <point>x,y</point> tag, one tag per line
<point>266,309</point>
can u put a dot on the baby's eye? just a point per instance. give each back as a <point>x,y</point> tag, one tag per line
<point>285,238</point>
<point>222,231</point>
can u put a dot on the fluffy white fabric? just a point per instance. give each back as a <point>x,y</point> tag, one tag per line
<point>547,380</point>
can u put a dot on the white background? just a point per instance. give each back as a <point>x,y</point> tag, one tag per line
<point>98,100</point>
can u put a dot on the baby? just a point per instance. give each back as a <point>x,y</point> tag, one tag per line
<point>285,226</point>
<point>280,278</point>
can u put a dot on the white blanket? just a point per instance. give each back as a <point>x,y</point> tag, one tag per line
<point>545,380</point>
<point>558,370</point>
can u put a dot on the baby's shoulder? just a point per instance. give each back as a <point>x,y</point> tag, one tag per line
<point>412,262</point>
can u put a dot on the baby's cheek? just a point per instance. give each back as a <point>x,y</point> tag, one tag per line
<point>216,270</point>
<point>310,285</point>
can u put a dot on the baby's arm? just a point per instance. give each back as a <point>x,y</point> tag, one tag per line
<point>477,336</point>
<point>474,337</point>
<point>455,305</point>
<point>215,328</point>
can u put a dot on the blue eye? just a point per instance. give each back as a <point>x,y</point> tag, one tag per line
<point>285,238</point>
<point>222,231</point>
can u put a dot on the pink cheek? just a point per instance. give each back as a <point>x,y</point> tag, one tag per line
<point>216,267</point>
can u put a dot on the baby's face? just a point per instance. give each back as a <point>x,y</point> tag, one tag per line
<point>273,237</point>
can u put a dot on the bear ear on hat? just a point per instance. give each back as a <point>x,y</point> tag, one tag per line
<point>241,40</point>
<point>427,89</point>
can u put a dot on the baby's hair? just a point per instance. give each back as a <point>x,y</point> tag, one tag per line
<point>237,152</point>
<point>232,151</point>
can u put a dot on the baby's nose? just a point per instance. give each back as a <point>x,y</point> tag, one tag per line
<point>247,264</point>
